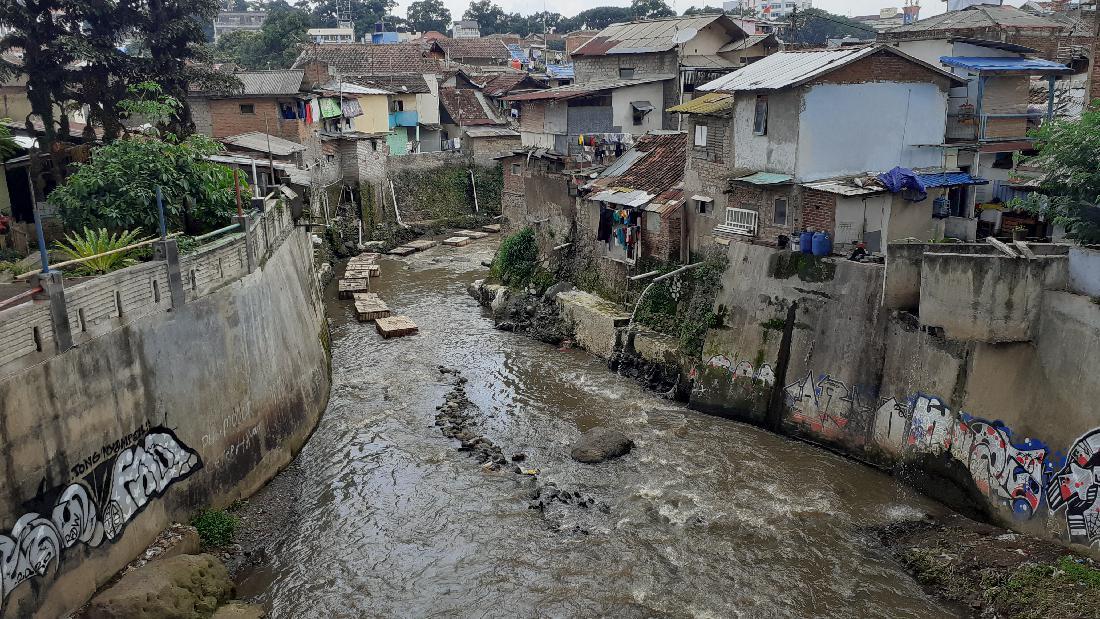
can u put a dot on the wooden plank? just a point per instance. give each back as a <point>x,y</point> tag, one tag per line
<point>491,228</point>
<point>1001,246</point>
<point>1024,249</point>
<point>473,234</point>
<point>457,241</point>
<point>396,326</point>
<point>403,250</point>
<point>349,286</point>
<point>369,306</point>
<point>421,244</point>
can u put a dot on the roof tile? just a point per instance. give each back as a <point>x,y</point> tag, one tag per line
<point>371,59</point>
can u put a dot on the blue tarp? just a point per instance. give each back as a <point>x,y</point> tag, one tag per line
<point>976,64</point>
<point>950,179</point>
<point>903,179</point>
<point>560,71</point>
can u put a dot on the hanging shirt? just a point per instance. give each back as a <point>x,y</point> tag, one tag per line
<point>330,107</point>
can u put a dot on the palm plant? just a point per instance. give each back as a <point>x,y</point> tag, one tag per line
<point>93,242</point>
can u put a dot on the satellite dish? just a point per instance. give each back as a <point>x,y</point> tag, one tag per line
<point>685,35</point>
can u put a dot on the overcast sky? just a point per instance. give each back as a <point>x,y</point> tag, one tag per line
<point>572,7</point>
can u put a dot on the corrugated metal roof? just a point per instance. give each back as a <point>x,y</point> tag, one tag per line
<point>258,141</point>
<point>1035,66</point>
<point>843,187</point>
<point>625,197</point>
<point>490,132</point>
<point>950,179</point>
<point>745,43</point>
<point>560,71</point>
<point>654,35</point>
<point>349,88</point>
<point>765,178</point>
<point>579,90</point>
<point>977,17</point>
<point>623,163</point>
<point>791,68</point>
<point>281,82</point>
<point>712,103</point>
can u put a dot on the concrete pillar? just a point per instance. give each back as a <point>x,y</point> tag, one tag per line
<point>243,221</point>
<point>168,251</point>
<point>53,289</point>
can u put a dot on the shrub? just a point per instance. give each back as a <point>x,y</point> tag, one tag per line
<point>93,242</point>
<point>215,527</point>
<point>517,259</point>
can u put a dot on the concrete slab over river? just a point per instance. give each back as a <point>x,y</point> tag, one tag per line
<point>381,516</point>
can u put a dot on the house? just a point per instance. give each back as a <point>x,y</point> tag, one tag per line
<point>988,120</point>
<point>568,120</point>
<point>462,109</point>
<point>486,144</point>
<point>500,85</point>
<point>465,29</point>
<point>407,70</point>
<point>374,105</point>
<point>232,21</point>
<point>487,51</point>
<point>890,17</point>
<point>329,36</point>
<point>559,74</point>
<point>268,102</point>
<point>778,125</point>
<point>577,38</point>
<point>694,49</point>
<point>633,208</point>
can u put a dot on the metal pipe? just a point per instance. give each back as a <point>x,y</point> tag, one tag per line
<point>203,237</point>
<point>43,255</point>
<point>21,296</point>
<point>635,278</point>
<point>634,312</point>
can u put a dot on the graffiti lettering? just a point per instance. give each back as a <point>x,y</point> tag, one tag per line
<point>1000,468</point>
<point>76,513</point>
<point>108,451</point>
<point>822,406</point>
<point>1076,488</point>
<point>932,425</point>
<point>743,369</point>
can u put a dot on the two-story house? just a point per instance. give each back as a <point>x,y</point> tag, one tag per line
<point>683,51</point>
<point>773,149</point>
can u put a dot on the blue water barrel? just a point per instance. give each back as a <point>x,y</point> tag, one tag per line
<point>805,242</point>
<point>822,245</point>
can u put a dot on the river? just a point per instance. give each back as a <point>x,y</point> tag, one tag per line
<point>706,517</point>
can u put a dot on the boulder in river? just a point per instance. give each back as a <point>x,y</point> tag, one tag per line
<point>179,587</point>
<point>599,444</point>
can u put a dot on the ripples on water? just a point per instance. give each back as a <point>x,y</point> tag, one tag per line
<point>708,518</point>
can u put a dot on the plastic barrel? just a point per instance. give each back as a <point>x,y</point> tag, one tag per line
<point>822,245</point>
<point>805,242</point>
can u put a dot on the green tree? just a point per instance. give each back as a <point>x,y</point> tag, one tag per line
<point>706,10</point>
<point>650,9</point>
<point>1070,187</point>
<point>364,13</point>
<point>274,46</point>
<point>425,15</point>
<point>814,26</point>
<point>597,18</point>
<point>488,15</point>
<point>8,147</point>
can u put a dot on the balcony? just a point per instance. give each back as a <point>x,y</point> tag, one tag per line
<point>406,118</point>
<point>991,127</point>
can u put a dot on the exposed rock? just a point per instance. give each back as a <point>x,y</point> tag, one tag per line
<point>599,444</point>
<point>240,610</point>
<point>178,539</point>
<point>552,292</point>
<point>180,587</point>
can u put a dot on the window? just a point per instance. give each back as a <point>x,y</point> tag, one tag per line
<point>515,169</point>
<point>702,203</point>
<point>626,73</point>
<point>700,134</point>
<point>248,108</point>
<point>639,110</point>
<point>760,119</point>
<point>399,106</point>
<point>779,212</point>
<point>739,221</point>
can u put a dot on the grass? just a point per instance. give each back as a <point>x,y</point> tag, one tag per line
<point>215,527</point>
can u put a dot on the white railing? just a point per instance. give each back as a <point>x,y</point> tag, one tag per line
<point>739,221</point>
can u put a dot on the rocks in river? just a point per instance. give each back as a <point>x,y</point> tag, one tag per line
<point>179,586</point>
<point>600,444</point>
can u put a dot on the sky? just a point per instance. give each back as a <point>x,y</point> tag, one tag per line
<point>572,7</point>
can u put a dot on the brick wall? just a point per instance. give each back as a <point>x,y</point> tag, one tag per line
<point>532,116</point>
<point>882,66</point>
<point>719,146</point>
<point>762,201</point>
<point>592,68</point>
<point>1093,19</point>
<point>707,172</point>
<point>819,211</point>
<point>483,151</point>
<point>226,119</point>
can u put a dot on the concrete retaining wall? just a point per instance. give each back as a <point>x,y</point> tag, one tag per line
<point>594,321</point>
<point>155,412</point>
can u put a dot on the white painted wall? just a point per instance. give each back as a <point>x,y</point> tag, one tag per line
<point>871,127</point>
<point>623,116</point>
<point>427,104</point>
<point>556,117</point>
<point>776,151</point>
<point>530,139</point>
<point>928,50</point>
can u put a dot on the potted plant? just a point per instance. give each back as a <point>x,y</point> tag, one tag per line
<point>1019,233</point>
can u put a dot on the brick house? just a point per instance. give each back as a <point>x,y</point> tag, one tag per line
<point>258,106</point>
<point>794,118</point>
<point>661,47</point>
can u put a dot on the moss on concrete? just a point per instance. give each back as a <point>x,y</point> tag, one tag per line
<point>808,268</point>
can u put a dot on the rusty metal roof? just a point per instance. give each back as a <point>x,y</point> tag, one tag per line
<point>653,35</point>
<point>656,165</point>
<point>579,90</point>
<point>711,104</point>
<point>978,17</point>
<point>370,59</point>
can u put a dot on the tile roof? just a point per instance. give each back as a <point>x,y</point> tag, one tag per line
<point>660,166</point>
<point>978,17</point>
<point>788,69</point>
<point>500,85</point>
<point>579,90</point>
<point>491,132</point>
<point>371,59</point>
<point>485,47</point>
<point>465,107</point>
<point>654,35</point>
<point>711,104</point>
<point>413,83</point>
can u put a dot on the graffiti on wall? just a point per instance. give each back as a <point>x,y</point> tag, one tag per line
<point>822,405</point>
<point>1001,468</point>
<point>743,369</point>
<point>1076,488</point>
<point>95,507</point>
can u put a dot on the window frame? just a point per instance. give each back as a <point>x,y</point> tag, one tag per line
<point>629,75</point>
<point>247,109</point>
<point>516,169</point>
<point>705,135</point>
<point>760,120</point>
<point>775,210</point>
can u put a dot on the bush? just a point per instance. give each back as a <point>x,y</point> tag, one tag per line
<point>93,242</point>
<point>517,259</point>
<point>215,527</point>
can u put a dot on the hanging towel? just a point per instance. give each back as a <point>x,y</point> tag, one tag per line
<point>330,107</point>
<point>314,111</point>
<point>351,108</point>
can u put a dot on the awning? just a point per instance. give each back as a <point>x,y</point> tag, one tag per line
<point>700,198</point>
<point>642,106</point>
<point>950,179</point>
<point>765,178</point>
<point>1025,66</point>
<point>624,198</point>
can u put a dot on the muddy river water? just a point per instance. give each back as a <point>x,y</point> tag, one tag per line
<point>706,517</point>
